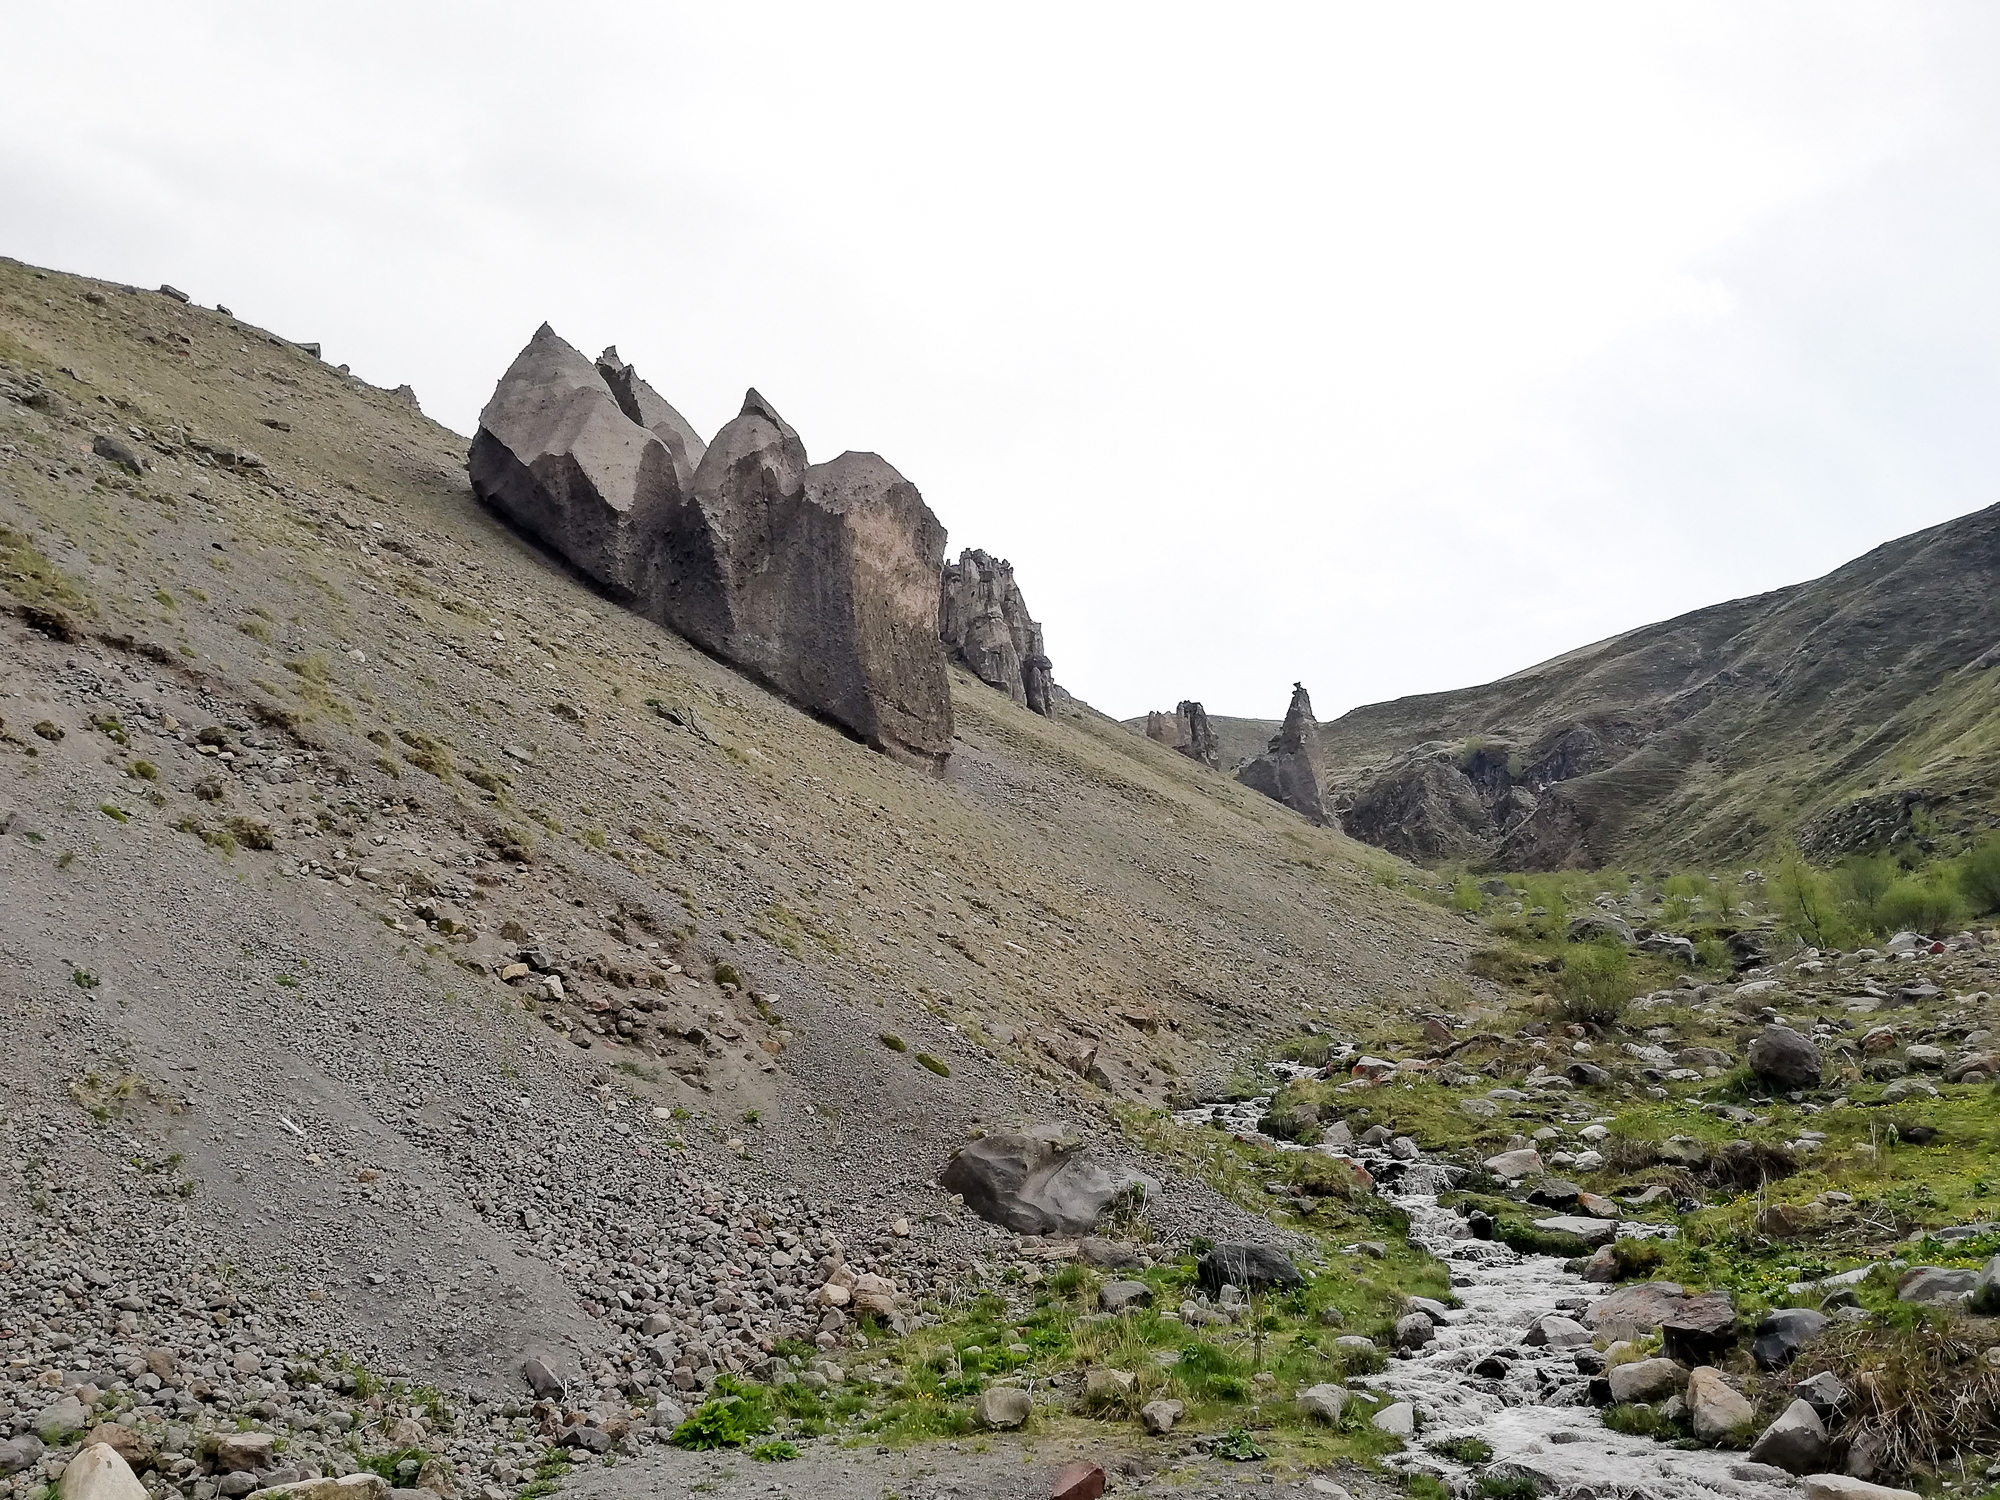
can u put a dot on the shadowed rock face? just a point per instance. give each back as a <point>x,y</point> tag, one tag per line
<point>819,580</point>
<point>984,622</point>
<point>1289,770</point>
<point>1187,730</point>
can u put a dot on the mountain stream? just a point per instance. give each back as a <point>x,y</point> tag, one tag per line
<point>1536,1416</point>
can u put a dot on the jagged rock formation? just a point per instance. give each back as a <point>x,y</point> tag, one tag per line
<point>984,622</point>
<point>819,580</point>
<point>1187,730</point>
<point>1289,769</point>
<point>1853,712</point>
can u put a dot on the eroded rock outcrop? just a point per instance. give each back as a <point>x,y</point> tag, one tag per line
<point>818,579</point>
<point>984,622</point>
<point>1034,1183</point>
<point>1289,770</point>
<point>1187,730</point>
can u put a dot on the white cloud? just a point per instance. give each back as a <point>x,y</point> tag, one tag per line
<point>1387,347</point>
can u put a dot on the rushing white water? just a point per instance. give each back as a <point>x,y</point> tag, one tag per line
<point>1535,1417</point>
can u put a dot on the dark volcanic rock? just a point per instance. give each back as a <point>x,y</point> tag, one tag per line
<point>1187,730</point>
<point>984,622</point>
<point>1783,1333</point>
<point>1032,1184</point>
<point>1288,771</point>
<point>821,580</point>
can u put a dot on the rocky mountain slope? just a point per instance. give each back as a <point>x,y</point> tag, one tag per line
<point>414,955</point>
<point>1847,712</point>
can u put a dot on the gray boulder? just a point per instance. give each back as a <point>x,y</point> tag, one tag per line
<point>1414,1330</point>
<point>1796,1442</point>
<point>1646,1380</point>
<point>984,622</point>
<point>1634,1311</point>
<point>1597,926</point>
<point>1783,1332</point>
<point>1716,1408</point>
<point>1002,1406</point>
<point>1523,1162</point>
<point>20,1453</point>
<point>1288,770</point>
<point>1826,1393</point>
<point>820,581</point>
<point>1252,1267</point>
<point>1326,1402</point>
<point>1784,1060</point>
<point>1120,1296</point>
<point>1937,1286</point>
<point>1985,1298</point>
<point>1160,1415</point>
<point>1034,1184</point>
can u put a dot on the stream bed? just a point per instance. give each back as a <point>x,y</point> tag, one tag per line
<point>1535,1416</point>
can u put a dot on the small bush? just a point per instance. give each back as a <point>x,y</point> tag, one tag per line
<point>775,1451</point>
<point>251,833</point>
<point>729,974</point>
<point>1979,876</point>
<point>143,770</point>
<point>736,1414</point>
<point>894,1043</point>
<point>936,1064</point>
<point>1465,896</point>
<point>1925,903</point>
<point>1595,983</point>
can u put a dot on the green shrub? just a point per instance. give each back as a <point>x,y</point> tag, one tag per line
<point>1979,876</point>
<point>936,1064</point>
<point>894,1043</point>
<point>1595,982</point>
<point>1927,903</point>
<point>1464,1450</point>
<point>1465,896</point>
<point>775,1451</point>
<point>729,1419</point>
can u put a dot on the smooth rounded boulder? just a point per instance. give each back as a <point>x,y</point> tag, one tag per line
<point>1784,1060</point>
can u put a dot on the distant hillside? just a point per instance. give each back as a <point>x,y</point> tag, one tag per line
<point>1857,709</point>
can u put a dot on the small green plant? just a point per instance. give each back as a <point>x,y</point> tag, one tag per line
<point>894,1043</point>
<point>1979,876</point>
<point>1464,1450</point>
<point>1239,1447</point>
<point>143,770</point>
<point>729,975</point>
<point>83,979</point>
<point>115,813</point>
<point>936,1064</point>
<point>775,1451</point>
<point>729,1419</point>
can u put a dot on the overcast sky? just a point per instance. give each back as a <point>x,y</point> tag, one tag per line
<point>1390,347</point>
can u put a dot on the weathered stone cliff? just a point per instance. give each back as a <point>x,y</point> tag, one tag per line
<point>984,622</point>
<point>819,580</point>
<point>1289,769</point>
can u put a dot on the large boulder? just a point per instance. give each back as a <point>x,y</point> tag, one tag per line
<point>1634,1311</point>
<point>1034,1184</point>
<point>1700,1328</point>
<point>98,1473</point>
<point>1715,1407</point>
<point>1784,1060</point>
<point>1600,926</point>
<point>1646,1380</point>
<point>1002,1406</point>
<point>1783,1332</point>
<point>1254,1268</point>
<point>555,455</point>
<point>1288,771</point>
<point>984,622</point>
<point>1937,1286</point>
<point>819,580</point>
<point>1796,1442</point>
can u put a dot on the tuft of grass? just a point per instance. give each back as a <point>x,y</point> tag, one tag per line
<point>936,1064</point>
<point>143,770</point>
<point>894,1043</point>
